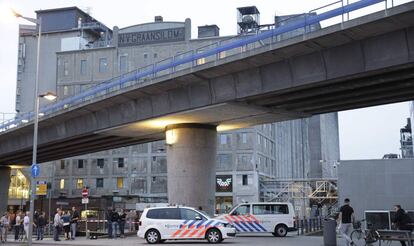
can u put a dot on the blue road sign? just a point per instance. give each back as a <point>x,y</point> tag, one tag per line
<point>35,170</point>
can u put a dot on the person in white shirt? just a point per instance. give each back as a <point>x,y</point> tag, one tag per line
<point>57,223</point>
<point>4,226</point>
<point>26,223</point>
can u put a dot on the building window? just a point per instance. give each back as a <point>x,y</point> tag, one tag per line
<point>223,139</point>
<point>79,183</point>
<point>99,183</point>
<point>65,68</point>
<point>62,164</point>
<point>80,164</point>
<point>121,163</point>
<point>244,138</point>
<point>62,184</point>
<point>154,179</point>
<point>83,67</point>
<point>201,61</point>
<point>120,183</point>
<point>103,65</point>
<point>155,55</point>
<point>245,180</point>
<point>65,90</point>
<point>123,64</point>
<point>145,55</point>
<point>100,163</point>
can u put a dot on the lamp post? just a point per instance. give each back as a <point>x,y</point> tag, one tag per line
<point>49,96</point>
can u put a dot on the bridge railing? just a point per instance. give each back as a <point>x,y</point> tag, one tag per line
<point>215,52</point>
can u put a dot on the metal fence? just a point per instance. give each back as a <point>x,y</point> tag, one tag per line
<point>204,55</point>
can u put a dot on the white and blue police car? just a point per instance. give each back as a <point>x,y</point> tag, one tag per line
<point>159,224</point>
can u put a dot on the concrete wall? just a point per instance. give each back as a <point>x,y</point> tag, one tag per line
<point>377,184</point>
<point>50,44</point>
<point>292,149</point>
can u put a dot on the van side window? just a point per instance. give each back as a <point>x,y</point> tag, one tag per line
<point>164,214</point>
<point>270,209</point>
<point>242,210</point>
<point>188,214</point>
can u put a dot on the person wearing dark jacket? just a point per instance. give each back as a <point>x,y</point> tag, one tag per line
<point>122,222</point>
<point>402,221</point>
<point>109,222</point>
<point>115,221</point>
<point>40,225</point>
<point>74,222</point>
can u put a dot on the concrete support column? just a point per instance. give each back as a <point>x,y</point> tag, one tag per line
<point>4,188</point>
<point>191,165</point>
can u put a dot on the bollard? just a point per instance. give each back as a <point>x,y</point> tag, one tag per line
<point>329,232</point>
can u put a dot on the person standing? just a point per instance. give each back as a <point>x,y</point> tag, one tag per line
<point>35,219</point>
<point>4,226</point>
<point>122,222</point>
<point>57,223</point>
<point>109,221</point>
<point>66,224</point>
<point>402,221</point>
<point>74,222</point>
<point>115,223</point>
<point>26,223</point>
<point>17,226</point>
<point>346,218</point>
<point>41,223</point>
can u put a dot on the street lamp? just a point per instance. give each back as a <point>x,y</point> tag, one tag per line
<point>38,22</point>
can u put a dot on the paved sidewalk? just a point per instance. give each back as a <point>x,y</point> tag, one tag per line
<point>245,240</point>
<point>240,240</point>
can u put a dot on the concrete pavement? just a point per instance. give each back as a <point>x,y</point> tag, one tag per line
<point>257,240</point>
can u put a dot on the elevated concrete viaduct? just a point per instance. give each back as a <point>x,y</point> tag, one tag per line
<point>363,62</point>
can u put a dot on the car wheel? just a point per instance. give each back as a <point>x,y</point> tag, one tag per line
<point>214,236</point>
<point>280,231</point>
<point>152,236</point>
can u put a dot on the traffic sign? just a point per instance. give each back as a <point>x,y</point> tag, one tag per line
<point>85,200</point>
<point>85,193</point>
<point>35,170</point>
<point>41,188</point>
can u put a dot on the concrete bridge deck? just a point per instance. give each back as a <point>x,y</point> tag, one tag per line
<point>363,62</point>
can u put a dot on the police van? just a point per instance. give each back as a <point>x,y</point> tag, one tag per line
<point>174,223</point>
<point>277,218</point>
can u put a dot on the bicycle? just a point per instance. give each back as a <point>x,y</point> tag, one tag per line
<point>366,237</point>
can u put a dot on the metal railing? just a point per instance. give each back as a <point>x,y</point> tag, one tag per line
<point>307,226</point>
<point>194,58</point>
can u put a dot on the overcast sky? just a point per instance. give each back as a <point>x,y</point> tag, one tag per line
<point>364,134</point>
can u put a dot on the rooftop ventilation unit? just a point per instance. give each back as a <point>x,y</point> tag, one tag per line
<point>248,19</point>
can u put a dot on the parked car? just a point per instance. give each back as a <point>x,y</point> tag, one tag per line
<point>176,223</point>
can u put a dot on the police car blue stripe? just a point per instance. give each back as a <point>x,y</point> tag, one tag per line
<point>209,223</point>
<point>254,226</point>
<point>183,224</point>
<point>247,226</point>
<point>200,224</point>
<point>238,227</point>
<point>241,226</point>
<point>192,223</point>
<point>217,223</point>
<point>260,226</point>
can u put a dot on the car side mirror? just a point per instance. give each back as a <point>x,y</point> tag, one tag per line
<point>198,218</point>
<point>234,213</point>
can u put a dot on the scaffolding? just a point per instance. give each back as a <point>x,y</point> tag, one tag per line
<point>304,194</point>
